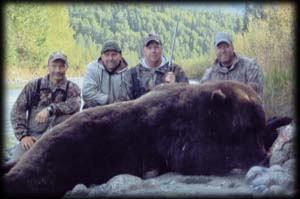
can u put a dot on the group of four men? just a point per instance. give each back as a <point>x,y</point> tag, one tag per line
<point>47,101</point>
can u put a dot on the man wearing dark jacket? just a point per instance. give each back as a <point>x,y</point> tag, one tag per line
<point>152,70</point>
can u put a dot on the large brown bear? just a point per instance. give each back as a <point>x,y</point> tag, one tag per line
<point>192,129</point>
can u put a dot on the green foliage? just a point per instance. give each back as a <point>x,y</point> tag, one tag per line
<point>59,35</point>
<point>279,92</point>
<point>270,40</point>
<point>33,32</point>
<point>129,23</point>
<point>26,31</point>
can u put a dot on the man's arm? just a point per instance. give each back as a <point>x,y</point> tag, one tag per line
<point>255,77</point>
<point>206,76</point>
<point>126,90</point>
<point>90,88</point>
<point>71,105</point>
<point>20,108</point>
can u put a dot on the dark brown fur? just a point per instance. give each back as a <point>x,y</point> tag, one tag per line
<point>191,129</point>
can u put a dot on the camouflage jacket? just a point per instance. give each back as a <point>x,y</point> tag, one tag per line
<point>243,69</point>
<point>28,105</point>
<point>147,78</point>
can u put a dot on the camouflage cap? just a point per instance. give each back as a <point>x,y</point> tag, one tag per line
<point>222,37</point>
<point>111,45</point>
<point>152,37</point>
<point>58,55</point>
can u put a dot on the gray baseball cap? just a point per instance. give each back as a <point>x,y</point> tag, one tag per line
<point>152,37</point>
<point>58,55</point>
<point>222,37</point>
<point>111,45</point>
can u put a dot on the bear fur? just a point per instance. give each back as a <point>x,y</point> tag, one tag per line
<point>202,129</point>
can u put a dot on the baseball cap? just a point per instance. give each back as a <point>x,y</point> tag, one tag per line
<point>222,37</point>
<point>152,37</point>
<point>58,55</point>
<point>111,45</point>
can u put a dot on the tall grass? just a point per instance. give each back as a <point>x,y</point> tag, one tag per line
<point>279,92</point>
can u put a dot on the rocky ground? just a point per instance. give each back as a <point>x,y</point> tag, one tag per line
<point>277,180</point>
<point>167,185</point>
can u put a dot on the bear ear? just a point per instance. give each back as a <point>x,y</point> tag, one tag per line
<point>217,96</point>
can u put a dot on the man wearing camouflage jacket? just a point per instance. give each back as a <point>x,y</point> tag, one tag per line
<point>232,66</point>
<point>152,70</point>
<point>43,103</point>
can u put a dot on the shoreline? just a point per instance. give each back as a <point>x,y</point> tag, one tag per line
<point>21,83</point>
<point>18,84</point>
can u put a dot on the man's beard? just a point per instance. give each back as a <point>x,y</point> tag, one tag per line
<point>58,76</point>
<point>112,66</point>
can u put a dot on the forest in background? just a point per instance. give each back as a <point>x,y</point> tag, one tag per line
<point>265,32</point>
<point>81,29</point>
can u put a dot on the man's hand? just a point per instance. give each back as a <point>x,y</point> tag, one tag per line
<point>42,116</point>
<point>169,78</point>
<point>27,142</point>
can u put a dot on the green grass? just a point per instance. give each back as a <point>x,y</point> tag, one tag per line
<point>279,92</point>
<point>9,141</point>
<point>14,85</point>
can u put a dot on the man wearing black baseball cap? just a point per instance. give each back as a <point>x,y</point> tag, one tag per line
<point>43,103</point>
<point>232,66</point>
<point>152,70</point>
<point>103,77</point>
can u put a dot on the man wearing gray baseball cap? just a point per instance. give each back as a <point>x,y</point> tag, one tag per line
<point>222,37</point>
<point>231,66</point>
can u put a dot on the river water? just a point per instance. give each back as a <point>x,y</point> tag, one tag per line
<point>9,99</point>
